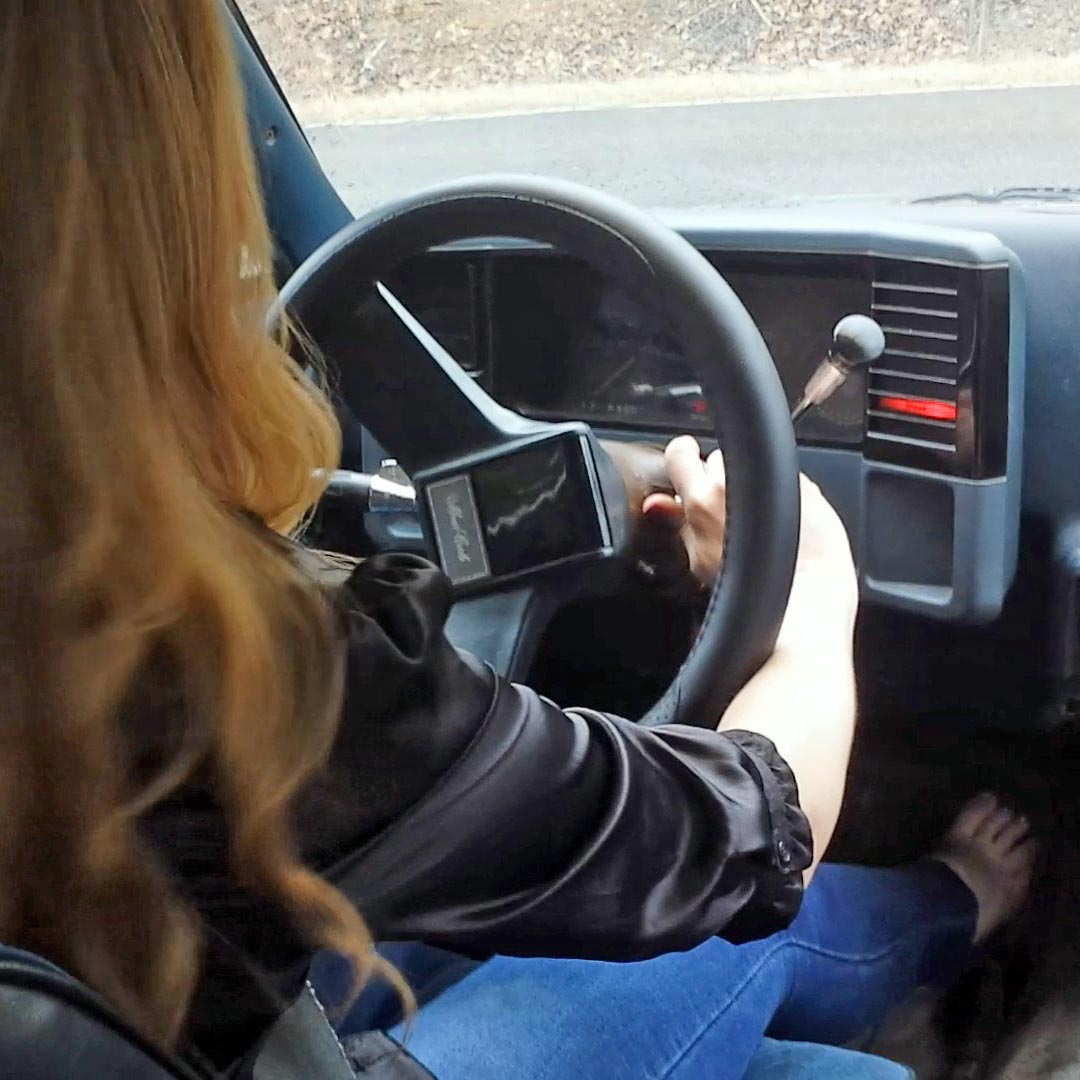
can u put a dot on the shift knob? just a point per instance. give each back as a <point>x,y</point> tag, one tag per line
<point>857,342</point>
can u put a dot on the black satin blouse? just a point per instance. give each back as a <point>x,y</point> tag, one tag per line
<point>472,813</point>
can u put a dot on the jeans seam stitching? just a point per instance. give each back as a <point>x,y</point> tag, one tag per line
<point>856,958</point>
<point>860,958</point>
<point>778,948</point>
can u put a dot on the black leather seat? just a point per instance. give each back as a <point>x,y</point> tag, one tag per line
<point>52,1027</point>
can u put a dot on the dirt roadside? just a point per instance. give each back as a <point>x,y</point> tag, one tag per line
<point>658,90</point>
<point>371,60</point>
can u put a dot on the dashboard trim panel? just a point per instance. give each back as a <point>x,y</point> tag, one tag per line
<point>950,552</point>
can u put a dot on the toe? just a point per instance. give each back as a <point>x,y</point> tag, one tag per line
<point>1024,854</point>
<point>1013,833</point>
<point>972,816</point>
<point>994,824</point>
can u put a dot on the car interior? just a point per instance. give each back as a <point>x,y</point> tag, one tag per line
<point>493,339</point>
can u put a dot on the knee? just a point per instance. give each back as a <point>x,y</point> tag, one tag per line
<point>778,1060</point>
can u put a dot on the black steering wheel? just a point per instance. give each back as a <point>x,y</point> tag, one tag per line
<point>515,506</point>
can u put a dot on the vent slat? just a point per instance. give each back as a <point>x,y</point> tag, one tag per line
<point>914,354</point>
<point>901,309</point>
<point>914,331</point>
<point>917,305</point>
<point>946,398</point>
<point>932,326</point>
<point>886,373</point>
<point>882,385</point>
<point>912,440</point>
<point>920,421</point>
<point>929,290</point>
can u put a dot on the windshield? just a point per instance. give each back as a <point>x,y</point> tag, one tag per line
<point>685,103</point>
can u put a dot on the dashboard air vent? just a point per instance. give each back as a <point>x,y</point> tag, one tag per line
<point>912,388</point>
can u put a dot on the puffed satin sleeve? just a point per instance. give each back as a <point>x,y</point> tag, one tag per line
<point>470,812</point>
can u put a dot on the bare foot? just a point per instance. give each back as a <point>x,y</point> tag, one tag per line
<point>990,849</point>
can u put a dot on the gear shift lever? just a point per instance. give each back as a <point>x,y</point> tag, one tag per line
<point>857,342</point>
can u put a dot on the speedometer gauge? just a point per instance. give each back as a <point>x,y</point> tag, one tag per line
<point>566,344</point>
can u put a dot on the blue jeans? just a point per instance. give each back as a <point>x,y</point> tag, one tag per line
<point>863,941</point>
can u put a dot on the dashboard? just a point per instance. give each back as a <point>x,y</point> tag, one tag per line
<point>966,533</point>
<point>551,338</point>
<point>610,359</point>
<point>920,453</point>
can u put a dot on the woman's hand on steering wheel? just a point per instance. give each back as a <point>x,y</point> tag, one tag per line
<point>824,572</point>
<point>699,507</point>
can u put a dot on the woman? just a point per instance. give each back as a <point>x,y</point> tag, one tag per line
<point>193,728</point>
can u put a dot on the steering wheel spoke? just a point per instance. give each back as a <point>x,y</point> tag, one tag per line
<point>504,629</point>
<point>417,398</point>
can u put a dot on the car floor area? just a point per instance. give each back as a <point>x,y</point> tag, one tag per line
<point>925,745</point>
<point>1016,1015</point>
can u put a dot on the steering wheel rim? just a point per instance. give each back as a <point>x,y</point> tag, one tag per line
<point>719,338</point>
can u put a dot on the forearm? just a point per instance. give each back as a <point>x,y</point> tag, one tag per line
<point>581,834</point>
<point>803,699</point>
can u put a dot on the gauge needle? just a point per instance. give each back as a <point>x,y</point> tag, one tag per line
<point>621,370</point>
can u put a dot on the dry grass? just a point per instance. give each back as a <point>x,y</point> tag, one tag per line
<point>353,53</point>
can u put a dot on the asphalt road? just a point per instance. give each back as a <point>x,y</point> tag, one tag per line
<point>749,153</point>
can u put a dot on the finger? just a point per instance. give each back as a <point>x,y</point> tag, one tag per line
<point>684,465</point>
<point>662,507</point>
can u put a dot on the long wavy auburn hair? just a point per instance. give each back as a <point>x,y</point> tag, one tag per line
<point>145,415</point>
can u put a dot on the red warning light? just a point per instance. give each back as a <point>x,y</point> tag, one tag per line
<point>699,407</point>
<point>926,410</point>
